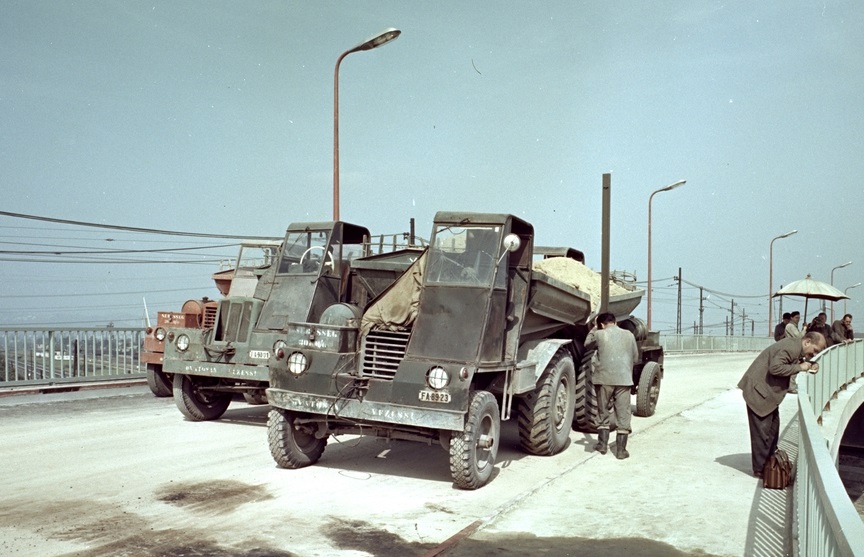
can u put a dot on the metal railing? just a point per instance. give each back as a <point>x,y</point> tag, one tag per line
<point>47,355</point>
<point>828,523</point>
<point>708,343</point>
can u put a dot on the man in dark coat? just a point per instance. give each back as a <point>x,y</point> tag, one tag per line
<point>820,326</point>
<point>780,328</point>
<point>765,384</point>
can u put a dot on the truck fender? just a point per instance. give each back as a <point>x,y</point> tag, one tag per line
<point>539,353</point>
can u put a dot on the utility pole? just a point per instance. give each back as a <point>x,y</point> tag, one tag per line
<point>701,310</point>
<point>743,320</point>
<point>732,319</point>
<point>678,322</point>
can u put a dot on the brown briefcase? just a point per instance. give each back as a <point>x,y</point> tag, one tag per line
<point>778,471</point>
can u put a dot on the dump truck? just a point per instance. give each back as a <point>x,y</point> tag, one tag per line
<point>299,280</point>
<point>473,332</point>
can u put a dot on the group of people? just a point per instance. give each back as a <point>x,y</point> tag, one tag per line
<point>840,332</point>
<point>772,375</point>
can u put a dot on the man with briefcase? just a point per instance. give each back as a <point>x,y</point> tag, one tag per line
<point>766,383</point>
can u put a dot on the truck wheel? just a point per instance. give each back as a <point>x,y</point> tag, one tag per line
<point>256,397</point>
<point>585,412</point>
<point>158,381</point>
<point>292,445</point>
<point>649,390</point>
<point>473,451</point>
<point>195,404</point>
<point>546,414</point>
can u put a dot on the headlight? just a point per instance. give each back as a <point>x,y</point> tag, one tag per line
<point>159,334</point>
<point>437,378</point>
<point>279,349</point>
<point>297,363</point>
<point>182,343</point>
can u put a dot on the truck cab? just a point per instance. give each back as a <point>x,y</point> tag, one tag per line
<point>296,278</point>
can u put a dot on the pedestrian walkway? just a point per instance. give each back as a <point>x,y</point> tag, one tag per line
<point>687,489</point>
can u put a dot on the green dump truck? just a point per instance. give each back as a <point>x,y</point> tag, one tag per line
<point>470,333</point>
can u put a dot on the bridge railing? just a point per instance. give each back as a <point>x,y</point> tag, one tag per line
<point>48,355</point>
<point>710,343</point>
<point>828,523</point>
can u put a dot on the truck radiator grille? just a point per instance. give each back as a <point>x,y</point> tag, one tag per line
<point>234,321</point>
<point>382,352</point>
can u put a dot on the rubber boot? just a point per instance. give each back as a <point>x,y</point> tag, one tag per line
<point>602,441</point>
<point>621,446</point>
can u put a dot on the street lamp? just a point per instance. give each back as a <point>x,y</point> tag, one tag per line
<point>650,199</point>
<point>771,278</point>
<point>381,38</point>
<point>832,284</point>
<point>845,290</point>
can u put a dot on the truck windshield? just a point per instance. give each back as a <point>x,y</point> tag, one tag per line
<point>304,252</point>
<point>254,256</point>
<point>465,255</point>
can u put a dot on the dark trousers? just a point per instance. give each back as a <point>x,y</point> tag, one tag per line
<point>613,398</point>
<point>764,434</point>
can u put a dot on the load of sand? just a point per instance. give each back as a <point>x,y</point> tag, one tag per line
<point>577,275</point>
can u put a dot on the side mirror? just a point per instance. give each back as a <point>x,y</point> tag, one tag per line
<point>511,244</point>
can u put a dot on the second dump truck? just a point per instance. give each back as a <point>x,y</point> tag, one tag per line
<point>471,333</point>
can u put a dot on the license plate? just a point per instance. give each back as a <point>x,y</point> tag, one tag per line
<point>259,354</point>
<point>435,396</point>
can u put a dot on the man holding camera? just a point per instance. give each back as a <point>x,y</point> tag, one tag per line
<point>765,384</point>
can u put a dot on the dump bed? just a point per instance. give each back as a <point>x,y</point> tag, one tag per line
<point>556,299</point>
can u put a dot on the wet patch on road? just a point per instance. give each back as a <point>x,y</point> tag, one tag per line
<point>513,545</point>
<point>362,536</point>
<point>102,529</point>
<point>214,497</point>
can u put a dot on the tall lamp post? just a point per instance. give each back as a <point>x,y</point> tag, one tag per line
<point>832,284</point>
<point>771,278</point>
<point>381,38</point>
<point>650,199</point>
<point>845,290</point>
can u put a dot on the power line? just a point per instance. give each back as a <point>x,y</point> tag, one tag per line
<point>135,229</point>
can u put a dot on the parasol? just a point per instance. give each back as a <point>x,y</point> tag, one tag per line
<point>810,288</point>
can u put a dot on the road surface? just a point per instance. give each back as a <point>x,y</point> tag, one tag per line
<point>119,472</point>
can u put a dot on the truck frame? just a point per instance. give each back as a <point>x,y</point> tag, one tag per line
<point>468,335</point>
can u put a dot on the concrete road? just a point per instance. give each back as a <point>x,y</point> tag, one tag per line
<point>119,472</point>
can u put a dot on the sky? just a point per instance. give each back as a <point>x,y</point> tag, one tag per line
<point>216,117</point>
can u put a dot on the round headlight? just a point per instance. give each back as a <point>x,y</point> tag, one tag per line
<point>297,363</point>
<point>182,343</point>
<point>279,349</point>
<point>159,334</point>
<point>437,378</point>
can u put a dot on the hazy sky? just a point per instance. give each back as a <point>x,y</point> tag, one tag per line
<point>217,117</point>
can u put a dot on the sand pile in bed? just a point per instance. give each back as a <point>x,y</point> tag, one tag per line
<point>570,271</point>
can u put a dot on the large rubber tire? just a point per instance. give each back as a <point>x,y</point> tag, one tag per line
<point>473,451</point>
<point>158,381</point>
<point>546,414</point>
<point>648,391</point>
<point>585,410</point>
<point>195,404</point>
<point>291,445</point>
